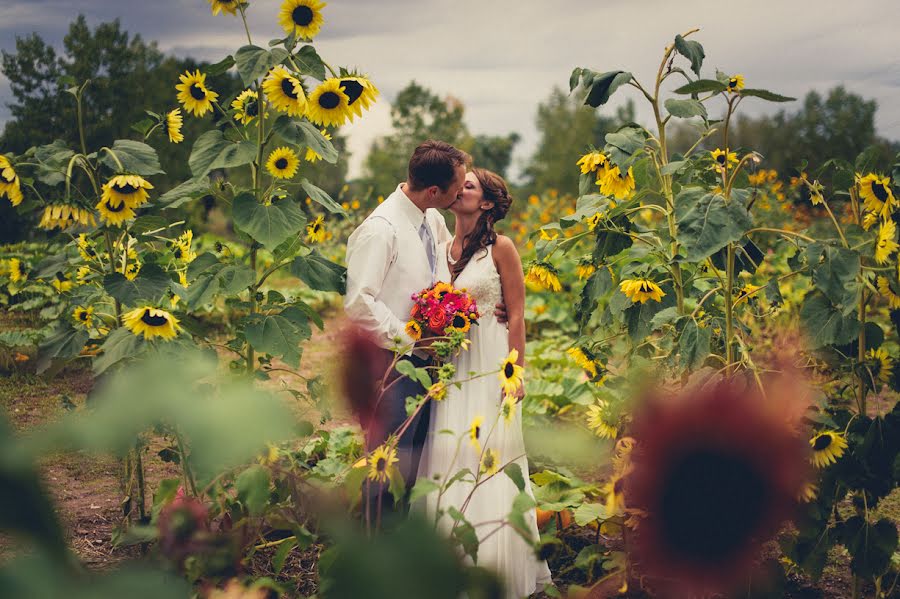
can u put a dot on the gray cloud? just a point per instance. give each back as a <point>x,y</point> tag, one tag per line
<point>501,58</point>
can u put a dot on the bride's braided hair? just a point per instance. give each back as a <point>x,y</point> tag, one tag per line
<point>494,189</point>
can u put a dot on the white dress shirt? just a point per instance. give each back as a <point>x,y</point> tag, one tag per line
<point>387,263</point>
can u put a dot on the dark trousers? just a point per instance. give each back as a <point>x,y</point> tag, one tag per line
<point>389,417</point>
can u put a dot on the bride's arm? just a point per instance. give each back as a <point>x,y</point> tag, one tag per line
<point>512,282</point>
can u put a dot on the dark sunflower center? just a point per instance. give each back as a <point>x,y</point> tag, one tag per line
<point>287,87</point>
<point>197,92</point>
<point>645,287</point>
<point>329,100</point>
<point>459,321</point>
<point>83,315</point>
<point>880,191</point>
<point>177,252</point>
<point>720,158</point>
<point>119,208</point>
<point>476,432</point>
<point>711,504</point>
<point>125,189</point>
<point>60,277</point>
<point>822,442</point>
<point>353,89</point>
<point>153,321</point>
<point>509,370</point>
<point>317,227</point>
<point>381,464</point>
<point>488,460</point>
<point>252,107</point>
<point>281,163</point>
<point>302,16</point>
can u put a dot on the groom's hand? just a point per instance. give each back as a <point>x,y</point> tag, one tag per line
<point>500,313</point>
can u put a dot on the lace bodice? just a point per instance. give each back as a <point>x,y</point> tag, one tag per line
<point>481,279</point>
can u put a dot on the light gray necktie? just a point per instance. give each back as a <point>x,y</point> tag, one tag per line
<point>428,241</point>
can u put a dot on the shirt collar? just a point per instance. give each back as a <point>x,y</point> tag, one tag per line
<point>407,208</point>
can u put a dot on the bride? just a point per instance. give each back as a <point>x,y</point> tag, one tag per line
<point>486,432</point>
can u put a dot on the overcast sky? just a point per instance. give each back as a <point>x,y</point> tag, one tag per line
<point>502,57</point>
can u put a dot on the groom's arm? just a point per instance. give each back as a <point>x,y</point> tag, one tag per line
<point>370,252</point>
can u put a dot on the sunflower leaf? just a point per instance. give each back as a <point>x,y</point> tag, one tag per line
<point>305,134</point>
<point>766,95</point>
<point>137,158</point>
<point>685,109</point>
<point>601,86</point>
<point>423,487</point>
<point>319,195</point>
<point>150,284</point>
<point>310,63</point>
<point>514,472</point>
<point>707,222</point>
<point>275,335</point>
<point>66,342</point>
<point>53,159</point>
<point>120,345</point>
<point>253,489</point>
<point>270,225</point>
<point>220,67</point>
<point>836,277</point>
<point>184,192</point>
<point>212,151</point>
<point>702,86</point>
<point>691,50</point>
<point>693,344</point>
<point>319,273</point>
<point>253,62</point>
<point>824,323</point>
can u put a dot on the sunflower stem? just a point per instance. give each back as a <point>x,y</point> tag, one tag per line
<point>244,19</point>
<point>729,310</point>
<point>861,354</point>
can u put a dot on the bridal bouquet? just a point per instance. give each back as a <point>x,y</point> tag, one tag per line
<point>441,310</point>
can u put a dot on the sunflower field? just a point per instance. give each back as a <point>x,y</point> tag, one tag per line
<point>712,378</point>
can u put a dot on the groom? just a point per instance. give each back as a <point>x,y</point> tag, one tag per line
<point>390,256</point>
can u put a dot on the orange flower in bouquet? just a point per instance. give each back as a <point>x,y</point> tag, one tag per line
<point>441,309</point>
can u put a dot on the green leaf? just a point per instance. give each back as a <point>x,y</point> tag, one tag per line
<point>65,342</point>
<point>628,140</point>
<point>586,513</point>
<point>693,344</point>
<point>601,86</point>
<point>310,63</point>
<point>773,292</point>
<point>120,345</point>
<point>611,242</point>
<point>824,323</point>
<point>253,489</point>
<point>320,273</point>
<point>594,288</point>
<point>253,62</point>
<point>766,95</point>
<point>685,109</point>
<point>423,487</point>
<point>514,472</point>
<point>464,533</point>
<point>150,285</point>
<point>407,369</point>
<point>212,151</point>
<point>276,335</point>
<point>707,223</point>
<point>522,504</point>
<point>691,50</point>
<point>148,222</point>
<point>702,86</point>
<point>303,133</point>
<point>270,225</point>
<point>137,158</point>
<point>185,192</point>
<point>220,67</point>
<point>870,546</point>
<point>281,555</point>
<point>319,195</point>
<point>836,276</point>
<point>639,316</point>
<point>54,159</point>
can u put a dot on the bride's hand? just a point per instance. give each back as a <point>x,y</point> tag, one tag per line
<point>520,392</point>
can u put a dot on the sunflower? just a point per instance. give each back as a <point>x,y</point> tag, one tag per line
<point>438,391</point>
<point>827,447</point>
<point>884,287</point>
<point>380,462</point>
<point>311,155</point>
<point>596,423</point>
<point>65,216</point>
<point>593,161</point>
<point>285,92</point>
<point>544,275</point>
<point>585,268</point>
<point>614,490</point>
<point>640,290</point>
<point>172,123</point>
<point>511,374</point>
<point>132,270</point>
<point>61,283</point>
<point>282,163</point>
<point>508,408</point>
<point>490,462</point>
<point>301,17</point>
<point>361,93</point>
<point>329,105</point>
<point>246,106</point>
<point>114,214</point>
<point>9,182</point>
<point>735,83</point>
<point>152,322</point>
<point>584,358</point>
<point>876,194</point>
<point>723,159</point>
<point>545,236</point>
<point>594,220</point>
<point>224,6</point>
<point>84,316</point>
<point>130,190</point>
<point>885,246</point>
<point>194,95</point>
<point>17,270</point>
<point>460,323</point>
<point>881,364</point>
<point>315,231</point>
<point>475,432</point>
<point>414,330</point>
<point>181,247</point>
<point>613,183</point>
<point>809,493</point>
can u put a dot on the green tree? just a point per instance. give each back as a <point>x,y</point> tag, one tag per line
<point>567,128</point>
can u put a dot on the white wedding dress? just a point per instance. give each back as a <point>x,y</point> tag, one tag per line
<point>502,550</point>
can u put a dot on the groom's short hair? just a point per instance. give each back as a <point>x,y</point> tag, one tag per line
<point>433,163</point>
